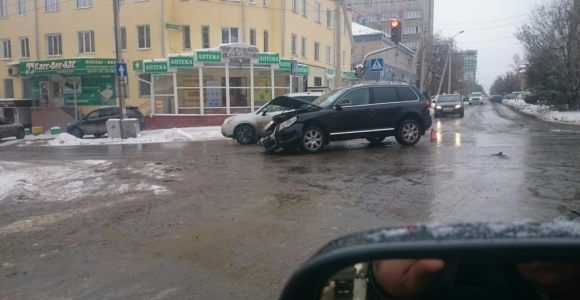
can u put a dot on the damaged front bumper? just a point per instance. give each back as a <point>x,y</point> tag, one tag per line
<point>286,138</point>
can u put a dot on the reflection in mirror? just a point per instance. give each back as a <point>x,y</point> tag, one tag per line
<point>438,279</point>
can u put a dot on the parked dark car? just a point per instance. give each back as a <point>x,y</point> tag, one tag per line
<point>451,104</point>
<point>531,99</point>
<point>367,111</point>
<point>495,98</point>
<point>95,122</point>
<point>8,129</point>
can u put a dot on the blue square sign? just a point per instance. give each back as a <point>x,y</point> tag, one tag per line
<point>377,64</point>
<point>121,69</point>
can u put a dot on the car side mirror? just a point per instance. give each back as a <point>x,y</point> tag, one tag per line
<point>343,102</point>
<point>264,112</point>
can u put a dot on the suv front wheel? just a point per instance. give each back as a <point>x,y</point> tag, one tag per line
<point>313,140</point>
<point>408,133</point>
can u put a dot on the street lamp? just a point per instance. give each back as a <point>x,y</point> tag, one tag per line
<point>451,61</point>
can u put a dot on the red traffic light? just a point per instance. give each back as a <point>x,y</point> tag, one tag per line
<point>394,23</point>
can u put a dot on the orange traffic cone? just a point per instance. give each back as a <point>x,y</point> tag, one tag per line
<point>433,135</point>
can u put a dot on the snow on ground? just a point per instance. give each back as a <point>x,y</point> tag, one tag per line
<point>149,136</point>
<point>544,112</point>
<point>36,181</point>
<point>28,139</point>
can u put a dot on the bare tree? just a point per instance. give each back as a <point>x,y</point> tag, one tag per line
<point>550,41</point>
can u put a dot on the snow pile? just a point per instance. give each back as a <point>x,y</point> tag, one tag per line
<point>544,112</point>
<point>149,136</point>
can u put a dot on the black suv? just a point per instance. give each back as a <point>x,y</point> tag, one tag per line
<point>95,122</point>
<point>369,111</point>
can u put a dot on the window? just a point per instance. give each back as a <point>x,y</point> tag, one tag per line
<point>317,12</point>
<point>123,38</point>
<point>295,5</point>
<point>265,2</point>
<point>368,3</point>
<point>8,88</point>
<point>412,30</point>
<point>303,48</point>
<point>229,35</point>
<point>329,18</point>
<point>253,37</point>
<point>205,36</point>
<point>406,94</point>
<point>372,18</point>
<point>186,36</point>
<point>293,44</point>
<point>51,5</point>
<point>143,37</point>
<point>328,54</point>
<point>252,1</point>
<point>413,14</point>
<point>24,48</point>
<point>317,51</point>
<point>317,81</point>
<point>358,96</point>
<point>26,88</point>
<point>265,40</point>
<point>6,49</point>
<point>412,45</point>
<point>54,44</point>
<point>86,41</point>
<point>144,88</point>
<point>385,94</point>
<point>21,7</point>
<point>304,12</point>
<point>3,8</point>
<point>84,3</point>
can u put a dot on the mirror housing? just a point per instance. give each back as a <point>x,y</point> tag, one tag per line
<point>554,241</point>
<point>264,112</point>
<point>341,103</point>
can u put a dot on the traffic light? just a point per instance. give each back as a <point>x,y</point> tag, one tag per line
<point>396,30</point>
<point>359,70</point>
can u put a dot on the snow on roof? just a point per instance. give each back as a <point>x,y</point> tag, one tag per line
<point>358,29</point>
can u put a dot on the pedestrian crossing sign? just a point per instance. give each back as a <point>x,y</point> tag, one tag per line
<point>376,65</point>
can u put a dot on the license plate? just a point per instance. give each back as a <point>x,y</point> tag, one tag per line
<point>448,109</point>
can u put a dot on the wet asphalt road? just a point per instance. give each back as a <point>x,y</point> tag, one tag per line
<point>236,222</point>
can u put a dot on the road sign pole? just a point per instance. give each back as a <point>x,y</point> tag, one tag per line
<point>119,57</point>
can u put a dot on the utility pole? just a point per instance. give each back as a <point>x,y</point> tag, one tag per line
<point>443,73</point>
<point>337,58</point>
<point>119,57</point>
<point>451,61</point>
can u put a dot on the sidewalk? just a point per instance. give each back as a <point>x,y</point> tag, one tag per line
<point>544,112</point>
<point>148,136</point>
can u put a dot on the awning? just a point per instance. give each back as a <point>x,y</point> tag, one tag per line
<point>67,66</point>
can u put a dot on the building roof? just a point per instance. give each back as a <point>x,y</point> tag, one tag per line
<point>358,29</point>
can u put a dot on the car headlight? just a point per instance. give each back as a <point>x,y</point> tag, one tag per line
<point>288,123</point>
<point>458,106</point>
<point>268,125</point>
<point>438,107</point>
<point>227,120</point>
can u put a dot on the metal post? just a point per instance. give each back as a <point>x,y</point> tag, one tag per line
<point>119,58</point>
<point>338,55</point>
<point>251,87</point>
<point>75,96</point>
<point>371,53</point>
<point>443,74</point>
<point>450,64</point>
<point>227,88</point>
<point>201,89</point>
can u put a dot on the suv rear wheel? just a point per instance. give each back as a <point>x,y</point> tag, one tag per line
<point>408,133</point>
<point>313,140</point>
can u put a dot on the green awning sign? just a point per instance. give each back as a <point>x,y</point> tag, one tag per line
<point>208,56</point>
<point>349,75</point>
<point>268,58</point>
<point>285,64</point>
<point>159,66</point>
<point>303,70</point>
<point>138,66</point>
<point>67,66</point>
<point>180,61</point>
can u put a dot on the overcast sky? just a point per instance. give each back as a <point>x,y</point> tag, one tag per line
<point>489,27</point>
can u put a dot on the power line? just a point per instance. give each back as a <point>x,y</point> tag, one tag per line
<point>479,42</point>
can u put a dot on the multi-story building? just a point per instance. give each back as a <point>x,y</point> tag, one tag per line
<point>397,64</point>
<point>469,58</point>
<point>197,57</point>
<point>416,17</point>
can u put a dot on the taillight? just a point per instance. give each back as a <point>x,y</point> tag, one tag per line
<point>428,103</point>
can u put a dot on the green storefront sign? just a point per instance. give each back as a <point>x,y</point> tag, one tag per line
<point>285,64</point>
<point>92,89</point>
<point>208,56</point>
<point>155,66</point>
<point>268,58</point>
<point>180,61</point>
<point>330,73</point>
<point>67,66</point>
<point>303,70</point>
<point>349,75</point>
<point>138,66</point>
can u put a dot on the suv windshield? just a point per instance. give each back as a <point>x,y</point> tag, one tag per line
<point>327,99</point>
<point>475,95</point>
<point>450,98</point>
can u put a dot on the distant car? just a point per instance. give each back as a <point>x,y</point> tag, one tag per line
<point>509,96</point>
<point>495,98</point>
<point>476,98</point>
<point>248,128</point>
<point>449,105</point>
<point>9,129</point>
<point>95,122</point>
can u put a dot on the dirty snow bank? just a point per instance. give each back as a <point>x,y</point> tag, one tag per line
<point>149,136</point>
<point>544,112</point>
